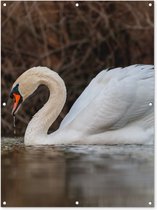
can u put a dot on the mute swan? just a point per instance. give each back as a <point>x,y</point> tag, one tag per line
<point>115,108</point>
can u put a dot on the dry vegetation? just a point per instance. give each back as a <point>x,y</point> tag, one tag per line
<point>77,42</point>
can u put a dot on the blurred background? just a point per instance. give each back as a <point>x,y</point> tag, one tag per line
<point>75,40</point>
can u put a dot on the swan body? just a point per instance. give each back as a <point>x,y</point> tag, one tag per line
<point>115,108</point>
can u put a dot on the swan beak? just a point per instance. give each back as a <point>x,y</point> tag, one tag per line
<point>17,101</point>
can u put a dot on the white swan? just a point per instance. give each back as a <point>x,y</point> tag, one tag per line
<point>115,108</point>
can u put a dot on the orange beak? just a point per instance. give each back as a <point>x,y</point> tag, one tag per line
<point>17,101</point>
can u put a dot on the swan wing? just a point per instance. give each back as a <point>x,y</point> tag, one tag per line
<point>113,99</point>
<point>90,92</point>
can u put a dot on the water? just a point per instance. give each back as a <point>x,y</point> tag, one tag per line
<point>14,124</point>
<point>85,176</point>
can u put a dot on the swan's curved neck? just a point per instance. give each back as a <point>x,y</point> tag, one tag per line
<point>38,127</point>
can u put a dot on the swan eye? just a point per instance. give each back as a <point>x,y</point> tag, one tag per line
<point>14,90</point>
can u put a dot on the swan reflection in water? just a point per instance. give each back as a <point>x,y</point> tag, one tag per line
<point>91,174</point>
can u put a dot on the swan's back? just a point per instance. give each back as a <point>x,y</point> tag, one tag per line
<point>113,99</point>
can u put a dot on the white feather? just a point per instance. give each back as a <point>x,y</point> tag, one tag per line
<point>113,99</point>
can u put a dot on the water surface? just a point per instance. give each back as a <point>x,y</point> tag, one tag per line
<point>95,176</point>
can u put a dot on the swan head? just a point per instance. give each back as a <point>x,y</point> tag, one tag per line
<point>24,86</point>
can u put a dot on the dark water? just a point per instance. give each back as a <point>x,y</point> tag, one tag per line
<point>106,176</point>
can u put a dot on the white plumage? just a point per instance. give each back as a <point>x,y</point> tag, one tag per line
<point>113,109</point>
